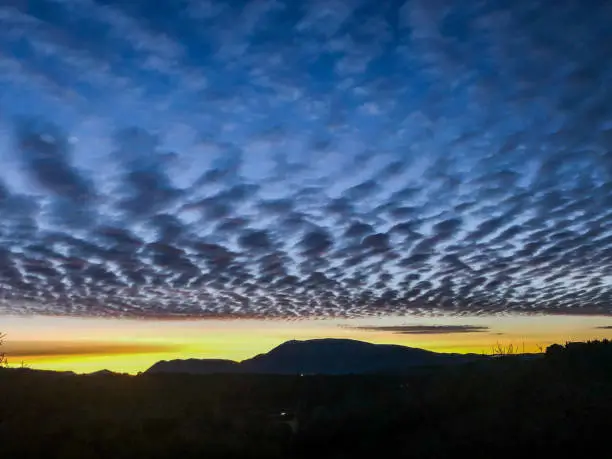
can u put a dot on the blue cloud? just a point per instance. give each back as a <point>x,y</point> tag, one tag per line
<point>296,159</point>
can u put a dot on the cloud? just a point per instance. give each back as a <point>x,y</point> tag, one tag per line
<point>146,183</point>
<point>425,329</point>
<point>325,164</point>
<point>316,243</point>
<point>21,349</point>
<point>44,151</point>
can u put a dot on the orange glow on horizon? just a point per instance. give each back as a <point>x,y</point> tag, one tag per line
<point>130,346</point>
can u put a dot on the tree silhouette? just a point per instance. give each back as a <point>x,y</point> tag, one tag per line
<point>3,360</point>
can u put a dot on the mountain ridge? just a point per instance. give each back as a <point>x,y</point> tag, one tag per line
<point>325,356</point>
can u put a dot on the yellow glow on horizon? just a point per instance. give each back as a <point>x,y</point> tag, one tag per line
<point>130,346</point>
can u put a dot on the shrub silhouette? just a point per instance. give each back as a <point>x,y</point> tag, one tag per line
<point>3,360</point>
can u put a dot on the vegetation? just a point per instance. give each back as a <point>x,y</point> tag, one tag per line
<point>557,405</point>
<point>3,360</point>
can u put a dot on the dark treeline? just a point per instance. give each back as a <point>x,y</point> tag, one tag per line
<point>558,405</point>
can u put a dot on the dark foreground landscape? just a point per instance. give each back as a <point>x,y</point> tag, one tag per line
<point>556,405</point>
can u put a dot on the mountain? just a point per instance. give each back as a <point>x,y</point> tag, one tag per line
<point>105,373</point>
<point>195,366</point>
<point>31,371</point>
<point>343,356</point>
<point>321,356</point>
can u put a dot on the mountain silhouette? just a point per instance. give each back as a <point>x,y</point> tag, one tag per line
<point>321,356</point>
<point>105,372</point>
<point>195,366</point>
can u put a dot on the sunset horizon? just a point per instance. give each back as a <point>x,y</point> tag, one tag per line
<point>86,345</point>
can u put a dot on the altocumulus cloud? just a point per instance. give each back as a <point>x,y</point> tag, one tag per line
<point>283,159</point>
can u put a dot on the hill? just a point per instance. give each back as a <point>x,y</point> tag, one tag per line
<point>195,366</point>
<point>321,356</point>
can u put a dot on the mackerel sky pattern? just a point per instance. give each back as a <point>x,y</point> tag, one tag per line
<point>288,159</point>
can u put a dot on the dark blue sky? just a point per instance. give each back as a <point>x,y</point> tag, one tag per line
<point>321,158</point>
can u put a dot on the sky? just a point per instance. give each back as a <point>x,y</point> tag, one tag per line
<point>210,178</point>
